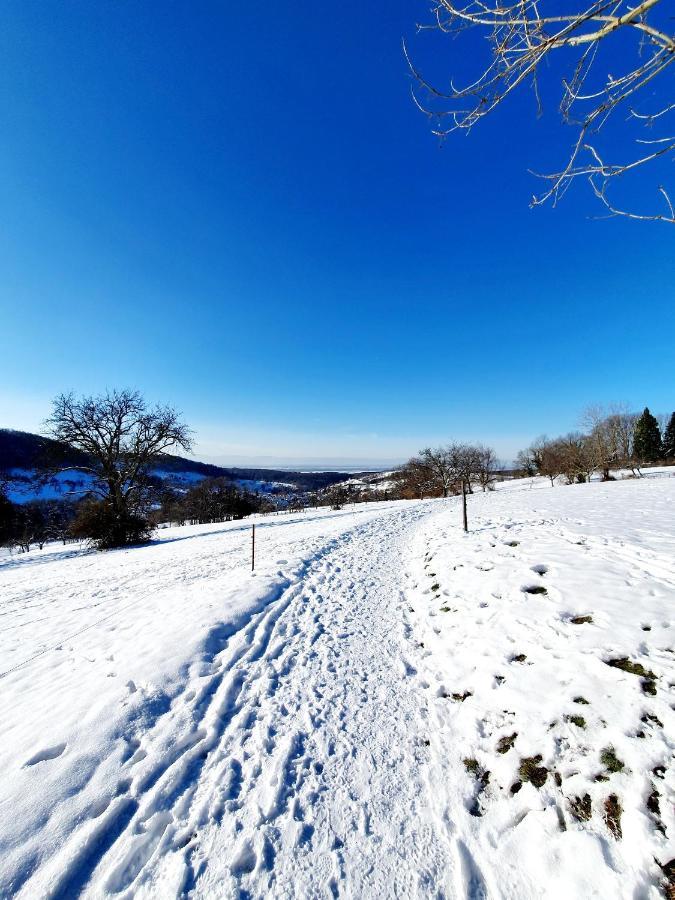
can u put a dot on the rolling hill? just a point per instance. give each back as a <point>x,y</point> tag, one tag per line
<point>23,456</point>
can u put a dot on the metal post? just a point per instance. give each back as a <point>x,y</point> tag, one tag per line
<point>466,525</point>
<point>253,548</point>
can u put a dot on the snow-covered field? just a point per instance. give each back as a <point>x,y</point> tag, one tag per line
<point>383,709</point>
<point>24,486</point>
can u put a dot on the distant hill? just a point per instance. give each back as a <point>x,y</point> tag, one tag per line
<point>22,450</point>
<point>27,453</point>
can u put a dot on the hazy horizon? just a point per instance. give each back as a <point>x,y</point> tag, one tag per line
<point>346,450</point>
<point>312,450</point>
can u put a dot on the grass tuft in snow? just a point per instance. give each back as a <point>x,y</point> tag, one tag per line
<point>581,620</point>
<point>668,883</point>
<point>613,812</point>
<point>611,761</point>
<point>627,665</point>
<point>581,808</point>
<point>579,721</point>
<point>534,589</point>
<point>479,773</point>
<point>482,777</point>
<point>505,743</point>
<point>655,809</point>
<point>582,700</point>
<point>648,719</point>
<point>531,771</point>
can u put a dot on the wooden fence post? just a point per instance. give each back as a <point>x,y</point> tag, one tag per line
<point>253,548</point>
<point>466,524</point>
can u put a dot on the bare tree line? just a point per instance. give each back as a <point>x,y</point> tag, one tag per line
<point>613,439</point>
<point>35,523</point>
<point>440,471</point>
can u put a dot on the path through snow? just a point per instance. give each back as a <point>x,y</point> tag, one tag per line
<point>291,760</point>
<point>311,774</point>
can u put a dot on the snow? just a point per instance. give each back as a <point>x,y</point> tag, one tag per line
<point>73,484</point>
<point>256,486</point>
<point>600,550</point>
<point>377,482</point>
<point>24,486</point>
<point>176,725</point>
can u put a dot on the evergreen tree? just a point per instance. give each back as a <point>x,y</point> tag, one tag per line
<point>647,439</point>
<point>669,439</point>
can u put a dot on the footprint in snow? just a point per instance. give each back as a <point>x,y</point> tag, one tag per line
<point>408,670</point>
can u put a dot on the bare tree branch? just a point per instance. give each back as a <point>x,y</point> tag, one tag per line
<point>521,39</point>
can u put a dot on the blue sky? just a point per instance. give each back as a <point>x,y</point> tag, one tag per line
<point>243,214</point>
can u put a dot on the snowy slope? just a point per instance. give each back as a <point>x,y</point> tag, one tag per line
<point>23,486</point>
<point>175,725</point>
<point>518,675</point>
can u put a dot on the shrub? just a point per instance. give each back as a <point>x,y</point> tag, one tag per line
<point>98,522</point>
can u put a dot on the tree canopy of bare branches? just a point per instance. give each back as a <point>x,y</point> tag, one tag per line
<point>440,471</point>
<point>121,437</point>
<point>415,479</point>
<point>615,439</point>
<point>616,90</point>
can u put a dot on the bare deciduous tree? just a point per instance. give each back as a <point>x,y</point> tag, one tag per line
<point>602,439</point>
<point>121,437</point>
<point>467,463</point>
<point>577,457</point>
<point>486,472</point>
<point>585,45</point>
<point>442,470</point>
<point>526,463</point>
<point>549,460</point>
<point>623,425</point>
<point>415,479</point>
<point>443,463</point>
